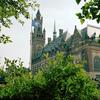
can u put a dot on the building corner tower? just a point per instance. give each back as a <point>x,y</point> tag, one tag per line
<point>37,37</point>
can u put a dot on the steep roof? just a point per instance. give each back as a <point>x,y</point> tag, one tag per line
<point>76,33</point>
<point>56,43</point>
<point>76,37</point>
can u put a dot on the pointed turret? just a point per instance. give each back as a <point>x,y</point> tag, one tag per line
<point>76,37</point>
<point>38,15</point>
<point>44,30</point>
<point>76,32</point>
<point>54,33</point>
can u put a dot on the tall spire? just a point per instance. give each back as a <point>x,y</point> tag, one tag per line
<point>54,33</point>
<point>54,26</point>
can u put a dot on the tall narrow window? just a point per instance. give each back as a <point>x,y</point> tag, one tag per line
<point>97,64</point>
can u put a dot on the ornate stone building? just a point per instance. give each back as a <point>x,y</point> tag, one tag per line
<point>37,36</point>
<point>79,44</point>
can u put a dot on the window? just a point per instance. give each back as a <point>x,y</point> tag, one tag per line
<point>97,77</point>
<point>97,64</point>
<point>39,28</point>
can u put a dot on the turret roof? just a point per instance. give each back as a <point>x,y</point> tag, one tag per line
<point>38,12</point>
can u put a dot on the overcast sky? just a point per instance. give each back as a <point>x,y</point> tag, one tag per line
<point>62,11</point>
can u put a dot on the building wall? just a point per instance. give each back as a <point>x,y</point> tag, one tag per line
<point>92,29</point>
<point>92,53</point>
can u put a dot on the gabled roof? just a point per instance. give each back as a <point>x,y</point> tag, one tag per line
<point>76,33</point>
<point>73,38</point>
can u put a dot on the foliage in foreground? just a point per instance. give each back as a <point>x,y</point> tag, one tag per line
<point>90,10</point>
<point>14,9</point>
<point>17,78</point>
<point>5,39</point>
<point>68,81</point>
<point>60,80</point>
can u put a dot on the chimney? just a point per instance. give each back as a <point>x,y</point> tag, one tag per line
<point>49,40</point>
<point>60,32</point>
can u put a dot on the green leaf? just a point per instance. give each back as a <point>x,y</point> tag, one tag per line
<point>82,21</point>
<point>79,15</point>
<point>78,1</point>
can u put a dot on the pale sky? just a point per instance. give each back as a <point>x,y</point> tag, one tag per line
<point>62,11</point>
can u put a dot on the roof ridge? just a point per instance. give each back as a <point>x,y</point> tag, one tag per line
<point>93,26</point>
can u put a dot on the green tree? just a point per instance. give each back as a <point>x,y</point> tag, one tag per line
<point>16,9</point>
<point>61,79</point>
<point>3,75</point>
<point>66,80</point>
<point>18,81</point>
<point>5,39</point>
<point>90,10</point>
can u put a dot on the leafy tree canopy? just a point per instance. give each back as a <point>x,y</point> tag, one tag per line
<point>66,80</point>
<point>90,10</point>
<point>60,80</point>
<point>16,9</point>
<point>5,39</point>
<point>18,80</point>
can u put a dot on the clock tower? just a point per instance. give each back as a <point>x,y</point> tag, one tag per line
<point>37,36</point>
